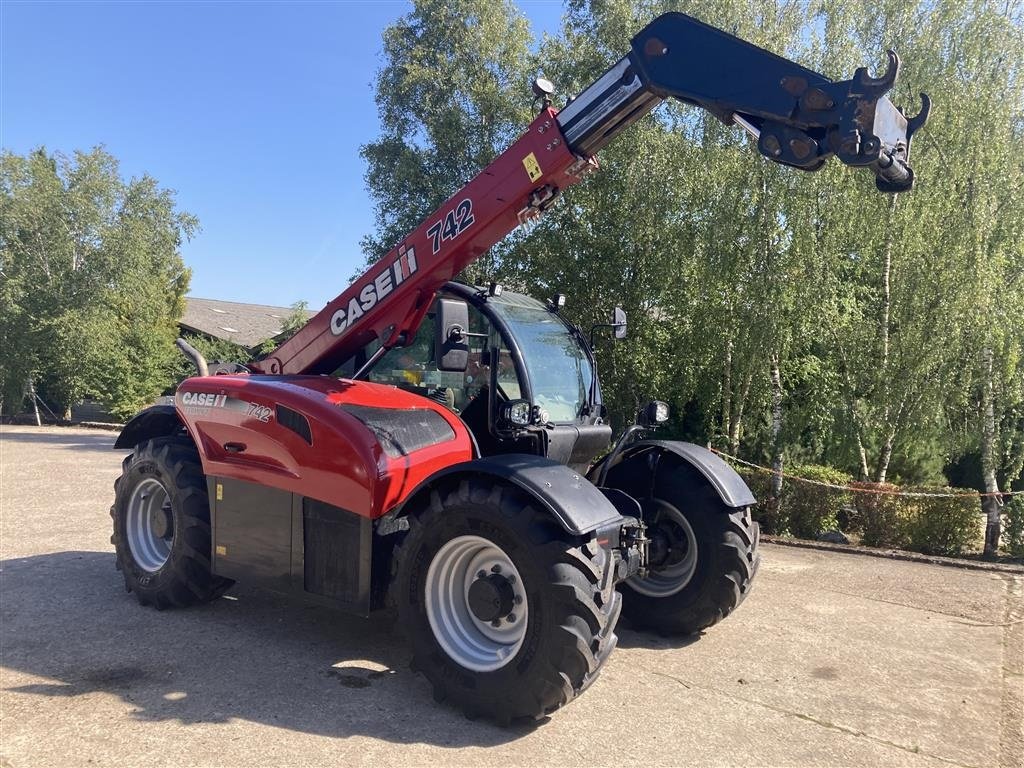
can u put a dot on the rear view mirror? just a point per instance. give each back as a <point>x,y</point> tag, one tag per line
<point>618,325</point>
<point>450,340</point>
<point>619,322</point>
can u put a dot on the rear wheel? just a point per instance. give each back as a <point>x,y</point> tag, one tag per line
<point>161,521</point>
<point>508,615</point>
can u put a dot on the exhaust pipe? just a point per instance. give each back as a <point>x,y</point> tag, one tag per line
<point>193,354</point>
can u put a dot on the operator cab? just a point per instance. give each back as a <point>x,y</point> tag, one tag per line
<point>522,377</point>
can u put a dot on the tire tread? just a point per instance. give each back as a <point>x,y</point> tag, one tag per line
<point>583,627</point>
<point>191,581</point>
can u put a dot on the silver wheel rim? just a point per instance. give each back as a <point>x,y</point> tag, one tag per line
<point>470,642</point>
<point>149,525</point>
<point>672,578</point>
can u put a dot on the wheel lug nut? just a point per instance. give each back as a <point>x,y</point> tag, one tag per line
<point>496,623</point>
<point>480,574</point>
<point>495,568</point>
<point>519,599</point>
<point>510,618</point>
<point>511,578</point>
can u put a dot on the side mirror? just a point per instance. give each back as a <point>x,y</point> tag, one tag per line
<point>618,325</point>
<point>619,322</point>
<point>451,344</point>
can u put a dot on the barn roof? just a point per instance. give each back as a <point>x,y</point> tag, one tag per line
<point>246,324</point>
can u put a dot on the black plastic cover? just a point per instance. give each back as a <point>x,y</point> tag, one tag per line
<point>573,500</point>
<point>723,478</point>
<point>402,431</point>
<point>155,421</point>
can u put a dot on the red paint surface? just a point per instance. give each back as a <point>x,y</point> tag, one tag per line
<point>345,466</point>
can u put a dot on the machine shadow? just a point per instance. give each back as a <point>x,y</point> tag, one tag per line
<point>251,655</point>
<point>632,637</point>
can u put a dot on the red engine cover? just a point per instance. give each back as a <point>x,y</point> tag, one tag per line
<point>237,425</point>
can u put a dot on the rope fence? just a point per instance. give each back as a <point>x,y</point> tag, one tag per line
<point>855,489</point>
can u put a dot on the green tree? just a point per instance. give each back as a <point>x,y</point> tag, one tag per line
<point>92,280</point>
<point>453,92</point>
<point>784,314</point>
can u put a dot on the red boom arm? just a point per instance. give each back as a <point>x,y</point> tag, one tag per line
<point>798,118</point>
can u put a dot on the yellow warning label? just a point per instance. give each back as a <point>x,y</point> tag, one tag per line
<point>220,492</point>
<point>532,167</point>
<point>221,550</point>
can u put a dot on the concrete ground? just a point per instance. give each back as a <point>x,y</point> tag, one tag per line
<point>834,660</point>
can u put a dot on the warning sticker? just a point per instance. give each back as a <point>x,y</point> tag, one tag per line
<point>532,167</point>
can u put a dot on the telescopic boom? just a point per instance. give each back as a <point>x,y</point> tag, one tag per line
<point>798,118</point>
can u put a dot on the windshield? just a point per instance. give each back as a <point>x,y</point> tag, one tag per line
<point>559,371</point>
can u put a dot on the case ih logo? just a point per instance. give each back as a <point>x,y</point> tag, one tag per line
<point>372,292</point>
<point>204,399</point>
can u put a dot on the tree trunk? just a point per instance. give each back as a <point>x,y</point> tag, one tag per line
<point>990,504</point>
<point>884,321</point>
<point>776,431</point>
<point>884,457</point>
<point>858,431</point>
<point>736,424</point>
<point>727,391</point>
<point>886,303</point>
<point>863,453</point>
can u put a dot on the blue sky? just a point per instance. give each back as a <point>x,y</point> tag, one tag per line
<point>252,112</point>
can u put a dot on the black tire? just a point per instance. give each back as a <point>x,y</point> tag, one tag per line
<point>727,555</point>
<point>569,588</point>
<point>185,578</point>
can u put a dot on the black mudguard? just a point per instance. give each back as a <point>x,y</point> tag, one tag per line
<point>578,505</point>
<point>155,421</point>
<point>730,487</point>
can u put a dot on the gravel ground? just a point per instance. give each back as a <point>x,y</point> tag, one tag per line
<point>834,660</point>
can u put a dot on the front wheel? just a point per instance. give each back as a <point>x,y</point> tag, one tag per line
<point>703,557</point>
<point>508,615</point>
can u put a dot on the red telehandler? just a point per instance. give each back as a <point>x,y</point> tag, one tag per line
<point>428,446</point>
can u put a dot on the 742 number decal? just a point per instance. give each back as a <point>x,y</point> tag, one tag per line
<point>452,225</point>
<point>258,411</point>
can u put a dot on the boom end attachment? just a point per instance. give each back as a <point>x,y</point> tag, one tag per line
<point>797,116</point>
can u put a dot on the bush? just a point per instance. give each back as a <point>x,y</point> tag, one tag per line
<point>1013,526</point>
<point>804,510</point>
<point>935,526</point>
<point>810,509</point>
<point>949,525</point>
<point>879,515</point>
<point>942,526</point>
<point>766,511</point>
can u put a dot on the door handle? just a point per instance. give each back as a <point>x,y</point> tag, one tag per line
<point>234,447</point>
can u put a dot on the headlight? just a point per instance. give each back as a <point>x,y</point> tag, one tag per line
<point>660,412</point>
<point>654,413</point>
<point>518,412</point>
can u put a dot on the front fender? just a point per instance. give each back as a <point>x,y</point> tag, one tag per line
<point>155,421</point>
<point>729,486</point>
<point>576,503</point>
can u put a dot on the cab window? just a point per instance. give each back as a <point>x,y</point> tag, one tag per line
<point>414,367</point>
